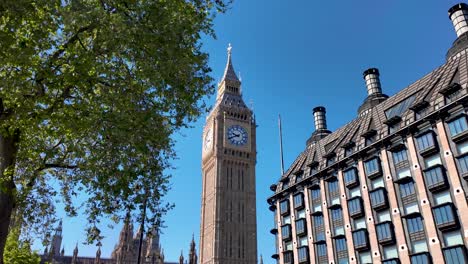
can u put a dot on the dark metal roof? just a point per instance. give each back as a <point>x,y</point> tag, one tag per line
<point>426,90</point>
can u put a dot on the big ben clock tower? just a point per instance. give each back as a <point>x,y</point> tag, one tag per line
<point>228,232</point>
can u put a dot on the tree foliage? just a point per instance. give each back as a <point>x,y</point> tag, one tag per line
<point>18,251</point>
<point>90,93</point>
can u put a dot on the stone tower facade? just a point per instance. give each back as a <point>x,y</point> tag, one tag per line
<point>228,214</point>
<point>57,241</point>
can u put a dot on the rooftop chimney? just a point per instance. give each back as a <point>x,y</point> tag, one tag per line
<point>320,121</point>
<point>374,91</point>
<point>459,16</point>
<point>319,118</point>
<point>372,81</point>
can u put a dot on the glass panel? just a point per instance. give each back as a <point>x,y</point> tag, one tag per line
<point>333,186</point>
<point>384,231</point>
<point>463,164</point>
<point>462,147</point>
<point>414,224</point>
<point>335,200</point>
<point>288,245</point>
<point>339,230</point>
<point>425,141</point>
<point>407,189</point>
<point>284,206</point>
<point>453,238</point>
<point>301,214</point>
<point>455,255</point>
<point>303,241</point>
<point>360,223</point>
<point>321,250</point>
<point>371,166</point>
<point>340,244</point>
<point>286,220</point>
<point>298,200</point>
<point>405,172</point>
<point>400,108</point>
<point>419,246</point>
<point>318,220</point>
<point>432,160</point>
<point>444,215</point>
<point>376,183</point>
<point>400,156</point>
<point>365,257</point>
<point>457,126</point>
<point>354,206</point>
<point>434,177</point>
<point>315,193</point>
<point>343,261</point>
<point>411,208</point>
<point>336,214</point>
<point>318,208</point>
<point>383,216</point>
<point>355,192</point>
<point>442,197</point>
<point>390,252</point>
<point>350,176</point>
<point>320,236</point>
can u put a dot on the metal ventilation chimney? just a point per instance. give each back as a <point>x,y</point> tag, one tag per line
<point>374,91</point>
<point>320,121</point>
<point>459,16</point>
<point>372,81</point>
<point>319,118</point>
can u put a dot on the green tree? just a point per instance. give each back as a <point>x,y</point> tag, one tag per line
<point>90,93</point>
<point>18,251</point>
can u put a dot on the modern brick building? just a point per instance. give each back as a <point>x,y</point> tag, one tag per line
<point>390,186</point>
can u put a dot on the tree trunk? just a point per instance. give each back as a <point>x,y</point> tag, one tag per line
<point>8,150</point>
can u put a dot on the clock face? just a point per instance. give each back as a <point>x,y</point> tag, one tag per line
<point>208,141</point>
<point>237,135</point>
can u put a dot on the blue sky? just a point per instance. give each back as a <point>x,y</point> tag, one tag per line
<point>293,56</point>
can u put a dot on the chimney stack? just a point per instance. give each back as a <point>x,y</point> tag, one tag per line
<point>372,81</point>
<point>459,16</point>
<point>319,118</point>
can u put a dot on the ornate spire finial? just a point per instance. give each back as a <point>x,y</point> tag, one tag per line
<point>229,73</point>
<point>229,49</point>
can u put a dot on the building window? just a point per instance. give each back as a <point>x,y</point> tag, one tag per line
<point>411,208</point>
<point>403,173</point>
<point>284,207</point>
<point>360,239</point>
<point>400,156</point>
<point>350,177</point>
<point>343,261</point>
<point>320,236</point>
<point>318,220</point>
<point>286,232</point>
<point>340,244</point>
<point>336,214</point>
<point>333,186</point>
<point>303,254</point>
<point>338,230</point>
<point>365,258</point>
<point>463,165</point>
<point>300,227</point>
<point>462,147</point>
<point>315,193</point>
<point>370,140</point>
<point>455,255</point>
<point>355,207</point>
<point>285,184</point>
<point>360,223</point>
<point>349,151</point>
<point>286,219</point>
<point>419,246</point>
<point>391,261</point>
<point>377,183</point>
<point>457,126</point>
<point>321,249</point>
<point>445,216</point>
<point>435,178</point>
<point>406,189</point>
<point>300,214</point>
<point>383,216</point>
<point>288,257</point>
<point>299,177</point>
<point>414,224</point>
<point>379,199</point>
<point>298,200</point>
<point>385,233</point>
<point>432,161</point>
<point>422,258</point>
<point>453,238</point>
<point>390,252</point>
<point>372,167</point>
<point>331,160</point>
<point>355,192</point>
<point>425,142</point>
<point>442,198</point>
<point>401,107</point>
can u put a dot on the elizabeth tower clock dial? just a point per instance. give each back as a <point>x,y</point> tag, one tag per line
<point>228,228</point>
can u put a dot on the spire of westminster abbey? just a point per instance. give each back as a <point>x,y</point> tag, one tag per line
<point>228,216</point>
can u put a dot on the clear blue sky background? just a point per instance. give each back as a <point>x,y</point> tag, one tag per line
<point>293,56</point>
